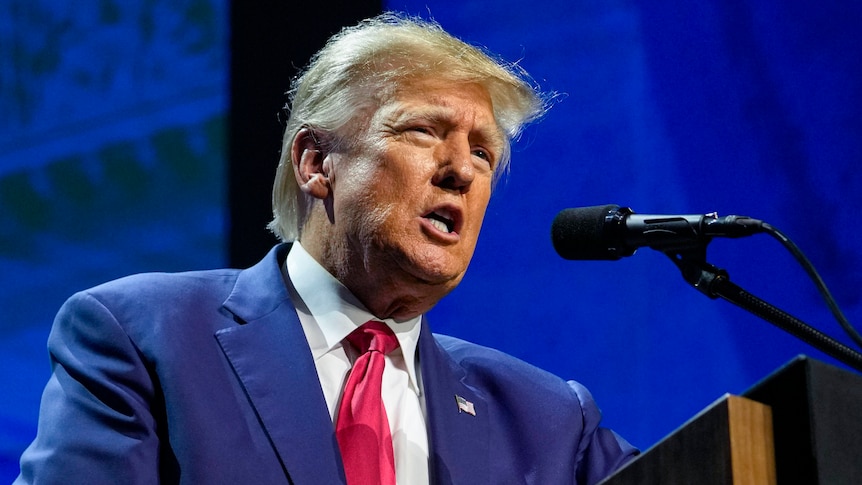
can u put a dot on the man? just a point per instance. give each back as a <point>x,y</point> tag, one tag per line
<point>396,133</point>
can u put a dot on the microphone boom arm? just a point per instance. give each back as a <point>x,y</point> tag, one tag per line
<point>715,282</point>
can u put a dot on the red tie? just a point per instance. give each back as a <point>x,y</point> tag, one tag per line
<point>362,428</point>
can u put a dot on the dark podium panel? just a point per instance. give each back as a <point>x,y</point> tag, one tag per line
<point>730,442</point>
<point>800,425</point>
<point>817,416</point>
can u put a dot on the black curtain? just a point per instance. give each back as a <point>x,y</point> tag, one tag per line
<point>267,47</point>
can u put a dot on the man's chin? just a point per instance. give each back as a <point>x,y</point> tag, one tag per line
<point>439,280</point>
<point>433,268</point>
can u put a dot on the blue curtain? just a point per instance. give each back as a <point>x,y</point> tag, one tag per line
<point>742,107</point>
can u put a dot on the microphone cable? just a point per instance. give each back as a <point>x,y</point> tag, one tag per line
<point>818,281</point>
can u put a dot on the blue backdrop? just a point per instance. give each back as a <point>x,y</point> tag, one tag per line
<point>112,162</point>
<point>749,107</point>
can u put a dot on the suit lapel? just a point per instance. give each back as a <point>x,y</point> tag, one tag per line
<point>271,358</point>
<point>459,442</point>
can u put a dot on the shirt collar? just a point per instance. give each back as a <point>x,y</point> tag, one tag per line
<point>337,312</point>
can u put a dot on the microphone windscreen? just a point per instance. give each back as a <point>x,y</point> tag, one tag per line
<point>579,234</point>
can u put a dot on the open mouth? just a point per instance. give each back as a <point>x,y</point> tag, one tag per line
<point>443,220</point>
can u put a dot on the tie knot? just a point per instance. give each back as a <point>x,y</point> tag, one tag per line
<point>373,335</point>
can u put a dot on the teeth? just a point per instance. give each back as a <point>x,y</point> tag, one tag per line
<point>439,225</point>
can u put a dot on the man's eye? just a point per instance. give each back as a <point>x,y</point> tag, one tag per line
<point>482,154</point>
<point>421,129</point>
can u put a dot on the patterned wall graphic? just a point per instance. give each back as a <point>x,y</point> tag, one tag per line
<point>112,161</point>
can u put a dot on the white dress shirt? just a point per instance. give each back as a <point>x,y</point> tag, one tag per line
<point>328,312</point>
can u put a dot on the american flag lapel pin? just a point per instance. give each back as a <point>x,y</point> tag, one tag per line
<point>465,406</point>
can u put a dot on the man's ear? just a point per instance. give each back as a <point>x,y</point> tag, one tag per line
<point>308,164</point>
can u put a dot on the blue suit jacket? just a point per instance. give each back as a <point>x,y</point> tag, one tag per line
<point>206,377</point>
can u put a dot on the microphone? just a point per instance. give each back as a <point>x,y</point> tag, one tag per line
<point>608,232</point>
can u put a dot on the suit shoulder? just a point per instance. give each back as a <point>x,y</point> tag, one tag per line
<point>155,310</point>
<point>492,366</point>
<point>166,286</point>
<point>149,298</point>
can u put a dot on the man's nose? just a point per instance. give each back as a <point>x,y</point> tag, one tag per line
<point>455,165</point>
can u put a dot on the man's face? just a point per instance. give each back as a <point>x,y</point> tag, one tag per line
<point>408,199</point>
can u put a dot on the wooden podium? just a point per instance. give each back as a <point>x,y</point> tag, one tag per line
<point>801,425</point>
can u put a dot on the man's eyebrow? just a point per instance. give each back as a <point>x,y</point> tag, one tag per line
<point>439,114</point>
<point>442,114</point>
<point>495,137</point>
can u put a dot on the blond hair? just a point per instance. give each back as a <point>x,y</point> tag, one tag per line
<point>361,66</point>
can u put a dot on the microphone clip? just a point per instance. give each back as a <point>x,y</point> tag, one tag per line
<point>703,276</point>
